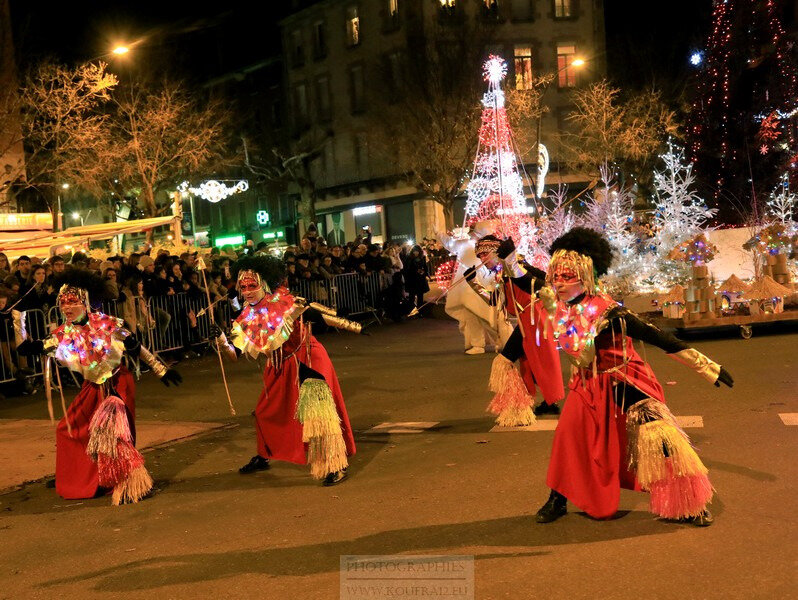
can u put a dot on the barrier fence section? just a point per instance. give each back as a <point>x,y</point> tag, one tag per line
<point>180,321</point>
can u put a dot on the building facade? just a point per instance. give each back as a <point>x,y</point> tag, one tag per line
<point>334,51</point>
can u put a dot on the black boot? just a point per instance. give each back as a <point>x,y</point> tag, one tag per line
<point>556,506</point>
<point>335,478</point>
<point>705,519</point>
<point>545,408</point>
<point>257,463</point>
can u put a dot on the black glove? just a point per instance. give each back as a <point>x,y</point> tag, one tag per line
<point>132,345</point>
<point>470,273</point>
<point>31,348</point>
<point>505,248</point>
<point>725,378</point>
<point>215,331</point>
<point>171,377</point>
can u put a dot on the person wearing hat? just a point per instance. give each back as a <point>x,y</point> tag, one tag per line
<point>512,287</point>
<point>615,430</point>
<point>95,440</point>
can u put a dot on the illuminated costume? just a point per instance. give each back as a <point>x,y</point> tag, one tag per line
<point>480,323</point>
<point>300,416</point>
<point>514,288</point>
<point>615,430</point>
<point>95,441</point>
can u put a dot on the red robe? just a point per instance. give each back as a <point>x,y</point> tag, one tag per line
<point>589,454</point>
<point>540,363</point>
<point>279,433</point>
<point>75,473</point>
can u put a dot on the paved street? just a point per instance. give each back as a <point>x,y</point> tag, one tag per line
<point>447,485</point>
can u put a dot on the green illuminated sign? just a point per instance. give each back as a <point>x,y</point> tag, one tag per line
<point>232,240</point>
<point>274,235</point>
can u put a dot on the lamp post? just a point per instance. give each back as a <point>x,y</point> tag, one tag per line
<point>577,63</point>
<point>76,215</point>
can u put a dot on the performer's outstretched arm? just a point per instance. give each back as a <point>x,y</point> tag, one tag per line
<point>676,349</point>
<point>135,350</point>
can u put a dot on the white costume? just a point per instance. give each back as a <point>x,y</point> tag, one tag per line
<point>480,323</point>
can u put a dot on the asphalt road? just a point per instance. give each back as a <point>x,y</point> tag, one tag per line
<point>454,489</point>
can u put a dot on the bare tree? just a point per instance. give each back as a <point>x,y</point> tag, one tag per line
<point>63,125</point>
<point>279,166</point>
<point>426,119</point>
<point>163,134</point>
<point>607,129</point>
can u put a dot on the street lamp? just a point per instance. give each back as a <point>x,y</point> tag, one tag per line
<point>119,50</point>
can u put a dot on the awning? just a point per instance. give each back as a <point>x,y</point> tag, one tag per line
<point>47,244</point>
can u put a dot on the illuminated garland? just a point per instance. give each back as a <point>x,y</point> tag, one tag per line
<point>214,191</point>
<point>444,274</point>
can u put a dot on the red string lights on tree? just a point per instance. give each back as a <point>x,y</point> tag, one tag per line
<point>741,128</point>
<point>496,189</point>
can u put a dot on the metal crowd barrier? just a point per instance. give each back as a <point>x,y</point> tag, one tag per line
<point>166,323</point>
<point>351,294</point>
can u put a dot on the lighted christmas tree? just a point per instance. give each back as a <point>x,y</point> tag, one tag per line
<point>609,210</point>
<point>782,203</point>
<point>496,188</point>
<point>742,126</point>
<point>680,212</point>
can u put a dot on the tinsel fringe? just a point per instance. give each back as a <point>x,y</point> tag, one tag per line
<point>108,425</point>
<point>134,488</point>
<point>665,463</point>
<point>321,428</point>
<point>326,455</point>
<point>511,403</point>
<point>680,497</point>
<point>112,470</point>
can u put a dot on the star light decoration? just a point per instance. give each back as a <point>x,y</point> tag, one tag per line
<point>214,191</point>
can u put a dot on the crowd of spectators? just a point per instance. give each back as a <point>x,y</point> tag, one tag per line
<point>136,282</point>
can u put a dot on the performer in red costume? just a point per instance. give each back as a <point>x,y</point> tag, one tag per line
<point>95,440</point>
<point>615,430</point>
<point>516,290</point>
<point>300,416</point>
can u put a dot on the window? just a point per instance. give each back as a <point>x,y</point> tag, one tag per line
<point>396,69</point>
<point>563,9</point>
<point>323,98</point>
<point>566,73</point>
<point>301,106</point>
<point>448,4</point>
<point>356,88</point>
<point>352,26</point>
<point>490,8</point>
<point>523,67</point>
<point>393,8</point>
<point>390,15</point>
<point>297,52</point>
<point>521,10</point>
<point>319,40</point>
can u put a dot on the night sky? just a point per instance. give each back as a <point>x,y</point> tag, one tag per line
<point>197,40</point>
<point>645,44</point>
